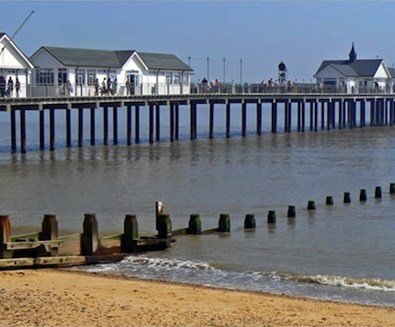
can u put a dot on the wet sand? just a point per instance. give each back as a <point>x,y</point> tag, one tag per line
<point>61,298</point>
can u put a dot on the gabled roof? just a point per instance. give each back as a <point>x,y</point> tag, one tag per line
<point>357,68</point>
<point>88,57</point>
<point>163,61</point>
<point>19,51</point>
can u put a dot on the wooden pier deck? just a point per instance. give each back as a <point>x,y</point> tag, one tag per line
<point>334,110</point>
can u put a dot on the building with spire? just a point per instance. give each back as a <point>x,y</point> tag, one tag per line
<point>355,75</point>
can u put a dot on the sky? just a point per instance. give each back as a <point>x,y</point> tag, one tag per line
<point>261,33</point>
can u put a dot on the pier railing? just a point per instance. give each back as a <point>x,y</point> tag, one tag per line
<point>141,89</point>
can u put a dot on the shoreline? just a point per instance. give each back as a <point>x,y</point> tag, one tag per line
<point>265,293</point>
<point>59,297</point>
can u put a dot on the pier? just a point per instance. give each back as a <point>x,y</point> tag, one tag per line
<point>324,111</point>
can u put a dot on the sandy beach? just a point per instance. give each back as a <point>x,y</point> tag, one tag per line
<point>61,298</point>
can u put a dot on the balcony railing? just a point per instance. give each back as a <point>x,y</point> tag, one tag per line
<point>71,90</point>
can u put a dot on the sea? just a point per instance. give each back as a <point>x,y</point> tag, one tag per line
<point>343,252</point>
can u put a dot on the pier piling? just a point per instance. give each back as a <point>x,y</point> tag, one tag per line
<point>105,125</point>
<point>271,217</point>
<point>363,195</point>
<point>90,235</point>
<point>130,234</point>
<point>310,205</point>
<point>114,125</point>
<point>92,126</point>
<point>249,221</point>
<point>347,197</point>
<point>224,223</point>
<point>291,212</point>
<point>329,201</point>
<point>392,188</point>
<point>377,192</point>
<point>41,129</point>
<point>23,130</point>
<point>194,225</point>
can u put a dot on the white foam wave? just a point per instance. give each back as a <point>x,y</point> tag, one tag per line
<point>373,284</point>
<point>167,263</point>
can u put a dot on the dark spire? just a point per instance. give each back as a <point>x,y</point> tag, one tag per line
<point>352,55</point>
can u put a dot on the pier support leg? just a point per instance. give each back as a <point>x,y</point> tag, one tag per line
<point>345,105</point>
<point>177,121</point>
<point>286,120</point>
<point>322,115</point>
<point>259,118</point>
<point>51,129</point>
<point>228,120</point>
<point>23,130</point>
<point>391,122</point>
<point>311,115</point>
<point>244,119</point>
<point>13,130</point>
<point>274,117</point>
<point>151,123</point>
<point>362,113</point>
<point>299,115</point>
<point>386,112</point>
<point>80,126</point>
<point>92,121</point>
<point>157,122</point>
<point>191,114</point>
<point>129,125</point>
<point>68,128</point>
<point>41,129</point>
<point>171,117</point>
<point>115,125</point>
<point>303,115</point>
<point>211,121</point>
<point>137,124</point>
<point>195,121</point>
<point>340,113</point>
<point>315,116</point>
<point>105,125</point>
<point>289,117</point>
<point>328,115</point>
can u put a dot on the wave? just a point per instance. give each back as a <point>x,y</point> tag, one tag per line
<point>167,263</point>
<point>374,284</point>
<point>143,264</point>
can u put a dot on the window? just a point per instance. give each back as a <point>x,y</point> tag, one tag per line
<point>44,76</point>
<point>185,78</point>
<point>91,76</point>
<point>80,76</point>
<point>169,78</point>
<point>177,78</point>
<point>62,76</point>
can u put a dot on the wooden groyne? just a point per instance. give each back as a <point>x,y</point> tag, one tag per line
<point>42,248</point>
<point>325,112</point>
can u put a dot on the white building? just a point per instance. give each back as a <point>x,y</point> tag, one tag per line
<point>355,75</point>
<point>15,67</point>
<point>67,71</point>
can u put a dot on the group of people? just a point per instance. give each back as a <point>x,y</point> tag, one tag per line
<point>7,87</point>
<point>108,86</point>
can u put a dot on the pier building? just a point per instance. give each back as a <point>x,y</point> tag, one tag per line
<point>355,75</point>
<point>14,65</point>
<point>86,72</point>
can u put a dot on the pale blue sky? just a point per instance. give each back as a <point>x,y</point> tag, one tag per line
<point>301,33</point>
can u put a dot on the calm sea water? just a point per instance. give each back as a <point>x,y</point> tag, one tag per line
<point>342,252</point>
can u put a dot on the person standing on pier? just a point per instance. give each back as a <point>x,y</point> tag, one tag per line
<point>2,86</point>
<point>114,87</point>
<point>10,87</point>
<point>96,86</point>
<point>109,86</point>
<point>17,87</point>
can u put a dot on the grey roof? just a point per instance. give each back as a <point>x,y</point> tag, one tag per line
<point>358,68</point>
<point>113,59</point>
<point>88,57</point>
<point>163,61</point>
<point>2,34</point>
<point>391,71</point>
